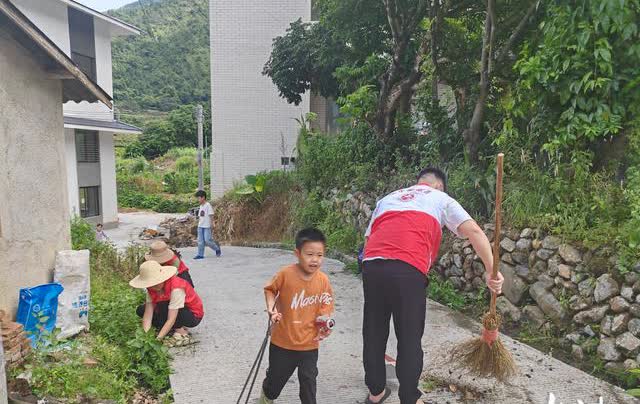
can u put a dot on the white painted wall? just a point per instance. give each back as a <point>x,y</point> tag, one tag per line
<point>248,116</point>
<point>72,172</point>
<point>108,180</point>
<point>104,76</point>
<point>34,206</point>
<point>51,19</point>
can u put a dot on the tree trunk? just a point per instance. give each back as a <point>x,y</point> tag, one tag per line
<point>435,27</point>
<point>471,135</point>
<point>398,84</point>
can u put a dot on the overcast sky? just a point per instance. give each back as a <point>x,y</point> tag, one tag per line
<point>103,5</point>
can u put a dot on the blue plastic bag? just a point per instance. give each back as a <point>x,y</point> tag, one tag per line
<point>37,310</point>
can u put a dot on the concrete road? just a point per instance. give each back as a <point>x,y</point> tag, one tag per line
<point>214,370</point>
<point>131,224</point>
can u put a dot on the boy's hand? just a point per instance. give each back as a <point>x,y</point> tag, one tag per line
<point>323,334</point>
<point>275,316</point>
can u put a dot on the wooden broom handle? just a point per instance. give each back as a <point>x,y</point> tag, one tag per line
<point>498,227</point>
<point>496,237</point>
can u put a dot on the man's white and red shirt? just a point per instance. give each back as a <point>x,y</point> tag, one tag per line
<point>407,225</point>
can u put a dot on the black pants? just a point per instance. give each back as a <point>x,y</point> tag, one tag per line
<point>185,275</point>
<point>185,316</point>
<point>393,288</point>
<point>282,363</point>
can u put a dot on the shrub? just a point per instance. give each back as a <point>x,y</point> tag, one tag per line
<point>133,199</point>
<point>83,234</point>
<point>340,235</point>
<point>113,318</point>
<point>176,153</point>
<point>443,291</point>
<point>181,182</point>
<point>309,210</point>
<point>186,163</point>
<point>175,204</point>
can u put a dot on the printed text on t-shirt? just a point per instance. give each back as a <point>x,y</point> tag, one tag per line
<point>300,301</point>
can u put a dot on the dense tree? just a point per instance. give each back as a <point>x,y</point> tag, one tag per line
<point>168,64</point>
<point>384,50</point>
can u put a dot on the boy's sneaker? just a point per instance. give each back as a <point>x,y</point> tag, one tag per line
<point>219,253</point>
<point>264,399</point>
<point>198,257</point>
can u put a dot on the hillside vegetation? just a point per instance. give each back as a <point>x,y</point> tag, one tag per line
<point>168,64</point>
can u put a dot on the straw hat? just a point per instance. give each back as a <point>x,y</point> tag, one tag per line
<point>160,252</point>
<point>151,274</point>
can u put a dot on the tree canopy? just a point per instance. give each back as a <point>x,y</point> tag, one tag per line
<point>168,64</point>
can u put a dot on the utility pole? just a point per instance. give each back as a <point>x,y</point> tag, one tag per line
<point>200,142</point>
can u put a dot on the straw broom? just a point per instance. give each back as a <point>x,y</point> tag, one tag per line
<point>486,355</point>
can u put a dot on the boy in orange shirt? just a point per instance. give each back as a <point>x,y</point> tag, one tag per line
<point>303,295</point>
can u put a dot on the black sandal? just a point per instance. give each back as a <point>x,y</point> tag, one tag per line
<point>387,393</point>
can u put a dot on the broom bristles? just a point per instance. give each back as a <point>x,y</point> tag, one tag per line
<point>486,359</point>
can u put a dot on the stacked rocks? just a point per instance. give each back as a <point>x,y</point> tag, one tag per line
<point>551,282</point>
<point>355,207</point>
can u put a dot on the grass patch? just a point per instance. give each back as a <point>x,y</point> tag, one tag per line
<point>442,291</point>
<point>116,359</point>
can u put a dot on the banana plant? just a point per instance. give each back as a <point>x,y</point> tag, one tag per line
<point>255,185</point>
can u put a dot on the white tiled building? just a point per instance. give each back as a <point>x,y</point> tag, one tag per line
<point>253,129</point>
<point>85,35</point>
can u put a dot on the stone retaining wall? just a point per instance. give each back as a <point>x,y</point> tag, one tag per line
<point>548,282</point>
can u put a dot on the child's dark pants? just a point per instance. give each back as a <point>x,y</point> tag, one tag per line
<point>185,316</point>
<point>393,288</point>
<point>282,363</point>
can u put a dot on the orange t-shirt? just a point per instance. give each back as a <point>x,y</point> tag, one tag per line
<point>300,302</point>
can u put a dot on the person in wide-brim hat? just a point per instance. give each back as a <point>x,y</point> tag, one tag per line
<point>160,252</point>
<point>152,274</point>
<point>171,302</point>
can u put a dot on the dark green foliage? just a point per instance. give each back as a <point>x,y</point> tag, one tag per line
<point>297,64</point>
<point>157,203</point>
<point>168,64</point>
<point>83,234</point>
<point>177,129</point>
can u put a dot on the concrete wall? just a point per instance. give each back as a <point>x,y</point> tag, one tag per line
<point>34,210</point>
<point>249,119</point>
<point>72,171</point>
<point>108,180</point>
<point>91,174</point>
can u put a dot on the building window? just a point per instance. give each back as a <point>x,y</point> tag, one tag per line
<point>87,146</point>
<point>89,201</point>
<point>82,41</point>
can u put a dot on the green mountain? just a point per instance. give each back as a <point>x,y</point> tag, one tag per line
<point>168,65</point>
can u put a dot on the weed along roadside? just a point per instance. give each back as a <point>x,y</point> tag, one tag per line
<point>115,360</point>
